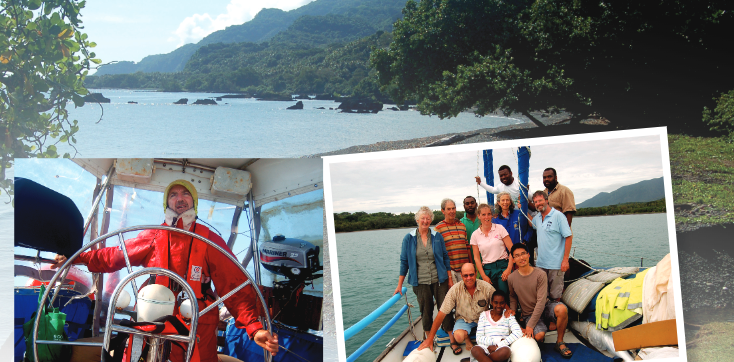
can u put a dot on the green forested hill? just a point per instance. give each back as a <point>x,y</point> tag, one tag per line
<point>281,67</point>
<point>268,23</point>
<point>326,29</point>
<point>643,191</point>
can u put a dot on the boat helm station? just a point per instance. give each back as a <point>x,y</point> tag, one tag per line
<point>268,212</point>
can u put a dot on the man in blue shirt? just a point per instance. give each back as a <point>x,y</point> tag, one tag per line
<point>554,243</point>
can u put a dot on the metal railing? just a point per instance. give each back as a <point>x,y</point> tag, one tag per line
<point>357,327</point>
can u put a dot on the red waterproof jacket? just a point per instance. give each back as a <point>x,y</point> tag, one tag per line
<point>148,249</point>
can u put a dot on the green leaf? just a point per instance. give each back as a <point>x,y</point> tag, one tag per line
<point>34,4</point>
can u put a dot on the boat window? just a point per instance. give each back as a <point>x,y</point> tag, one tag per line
<point>299,217</point>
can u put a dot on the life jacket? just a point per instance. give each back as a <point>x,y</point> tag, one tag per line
<point>137,348</point>
<point>194,271</point>
<point>618,304</point>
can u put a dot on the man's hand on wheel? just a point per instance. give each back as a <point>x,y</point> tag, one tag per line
<point>267,341</point>
<point>60,260</point>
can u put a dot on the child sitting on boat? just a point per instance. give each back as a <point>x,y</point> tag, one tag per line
<point>495,332</point>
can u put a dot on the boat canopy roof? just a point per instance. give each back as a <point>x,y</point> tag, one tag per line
<point>287,197</point>
<point>272,179</point>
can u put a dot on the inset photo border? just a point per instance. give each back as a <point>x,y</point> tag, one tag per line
<point>624,217</point>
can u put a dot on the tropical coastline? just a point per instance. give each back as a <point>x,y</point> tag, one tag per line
<point>527,129</point>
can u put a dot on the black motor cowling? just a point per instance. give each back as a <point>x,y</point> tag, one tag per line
<point>292,258</point>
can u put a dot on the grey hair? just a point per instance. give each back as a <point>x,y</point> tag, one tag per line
<point>498,208</point>
<point>423,209</point>
<point>444,201</point>
<point>540,193</point>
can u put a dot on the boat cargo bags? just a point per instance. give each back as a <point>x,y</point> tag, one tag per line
<point>26,304</point>
<point>297,346</point>
<point>50,328</point>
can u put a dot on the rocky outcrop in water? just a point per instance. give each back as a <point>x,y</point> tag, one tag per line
<point>298,105</point>
<point>182,101</point>
<point>205,102</point>
<point>96,98</point>
<point>360,106</point>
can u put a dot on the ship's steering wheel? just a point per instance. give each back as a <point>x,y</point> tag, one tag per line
<point>109,326</point>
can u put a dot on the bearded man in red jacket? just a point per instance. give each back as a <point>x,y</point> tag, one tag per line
<point>196,262</point>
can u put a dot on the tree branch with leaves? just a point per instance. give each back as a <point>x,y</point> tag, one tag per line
<point>44,58</point>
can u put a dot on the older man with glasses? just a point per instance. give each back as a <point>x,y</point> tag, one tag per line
<point>470,297</point>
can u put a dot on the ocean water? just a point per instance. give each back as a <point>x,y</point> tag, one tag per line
<point>243,127</point>
<point>369,266</point>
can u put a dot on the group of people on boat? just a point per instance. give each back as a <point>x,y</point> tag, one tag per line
<point>480,268</point>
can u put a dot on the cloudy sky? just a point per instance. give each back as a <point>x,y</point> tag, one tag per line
<point>133,29</point>
<point>403,184</point>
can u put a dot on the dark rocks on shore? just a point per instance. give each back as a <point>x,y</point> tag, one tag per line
<point>324,97</point>
<point>320,108</point>
<point>236,96</point>
<point>273,97</point>
<point>298,105</point>
<point>205,102</point>
<point>132,102</point>
<point>360,106</point>
<point>182,101</point>
<point>394,108</point>
<point>96,98</point>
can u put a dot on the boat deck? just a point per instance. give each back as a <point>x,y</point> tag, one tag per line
<point>394,352</point>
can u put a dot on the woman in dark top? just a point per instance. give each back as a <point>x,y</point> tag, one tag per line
<point>424,255</point>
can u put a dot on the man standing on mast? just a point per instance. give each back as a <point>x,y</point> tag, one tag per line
<point>507,183</point>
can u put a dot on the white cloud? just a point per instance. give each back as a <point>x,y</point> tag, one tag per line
<point>195,27</point>
<point>402,184</point>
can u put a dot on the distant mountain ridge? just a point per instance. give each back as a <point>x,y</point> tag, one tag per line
<point>643,191</point>
<point>268,23</point>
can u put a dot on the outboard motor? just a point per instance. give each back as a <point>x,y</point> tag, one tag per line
<point>298,261</point>
<point>293,258</point>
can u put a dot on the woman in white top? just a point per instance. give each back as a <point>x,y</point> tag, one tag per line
<point>490,244</point>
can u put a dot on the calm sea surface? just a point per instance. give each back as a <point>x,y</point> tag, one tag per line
<point>243,127</point>
<point>369,266</point>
